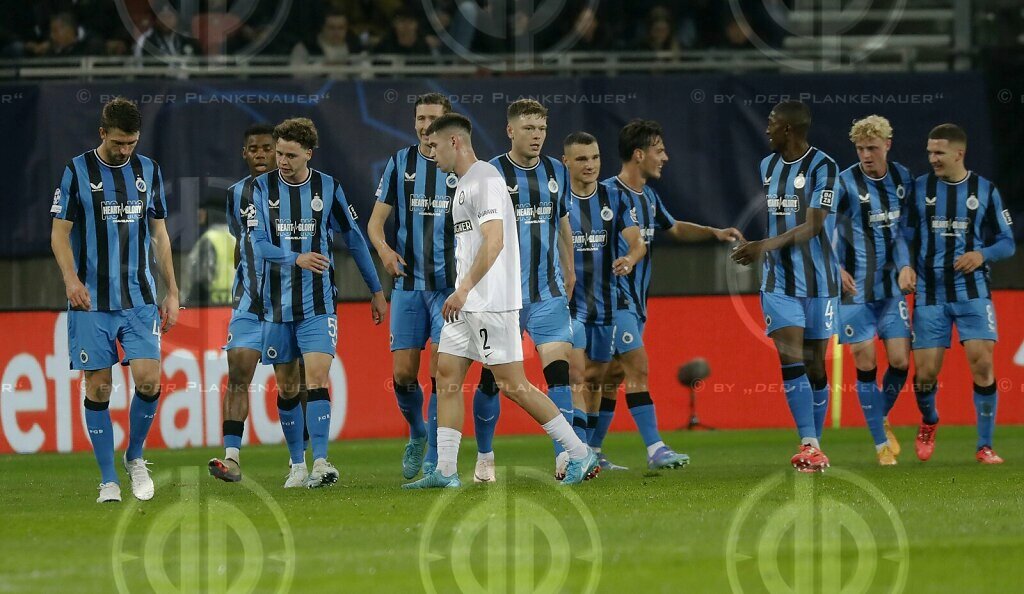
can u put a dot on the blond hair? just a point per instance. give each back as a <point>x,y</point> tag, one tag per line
<point>873,126</point>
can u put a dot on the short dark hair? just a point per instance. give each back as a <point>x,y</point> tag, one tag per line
<point>526,107</point>
<point>300,130</point>
<point>434,99</point>
<point>451,120</point>
<point>122,114</point>
<point>638,134</point>
<point>580,137</point>
<point>794,113</point>
<point>950,132</point>
<point>258,130</point>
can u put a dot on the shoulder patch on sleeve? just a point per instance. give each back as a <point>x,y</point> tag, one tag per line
<point>827,197</point>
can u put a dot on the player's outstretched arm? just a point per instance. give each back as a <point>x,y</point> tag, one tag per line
<point>392,262</point>
<point>165,265</point>
<point>60,243</point>
<point>749,252</point>
<point>691,232</point>
<point>623,265</point>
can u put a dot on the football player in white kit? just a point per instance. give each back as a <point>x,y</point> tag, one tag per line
<point>482,315</point>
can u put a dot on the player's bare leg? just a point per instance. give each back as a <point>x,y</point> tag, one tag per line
<point>318,418</point>
<point>235,408</point>
<point>146,375</point>
<point>872,399</point>
<point>928,364</point>
<point>641,407</point>
<point>979,357</point>
<point>406,366</point>
<point>101,432</point>
<point>789,342</point>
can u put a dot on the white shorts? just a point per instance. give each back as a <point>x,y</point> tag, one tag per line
<point>489,337</point>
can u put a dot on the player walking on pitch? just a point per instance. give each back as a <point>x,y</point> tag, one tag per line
<point>482,315</point>
<point>108,212</point>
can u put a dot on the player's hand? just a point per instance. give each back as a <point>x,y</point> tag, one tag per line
<point>378,307</point>
<point>907,280</point>
<point>453,305</point>
<point>78,295</point>
<point>314,262</point>
<point>169,312</point>
<point>622,266</point>
<point>391,261</point>
<point>747,253</point>
<point>849,285</point>
<point>730,234</point>
<point>969,262</point>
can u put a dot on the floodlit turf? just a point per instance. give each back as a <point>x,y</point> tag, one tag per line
<point>950,525</point>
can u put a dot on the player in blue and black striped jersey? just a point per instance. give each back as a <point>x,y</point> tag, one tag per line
<point>298,210</point>
<point>245,336</point>
<point>599,215</point>
<point>108,212</point>
<point>800,285</point>
<point>538,185</point>
<point>869,243</point>
<point>642,150</point>
<point>422,263</point>
<point>956,225</point>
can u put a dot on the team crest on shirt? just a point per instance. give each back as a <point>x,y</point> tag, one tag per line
<point>972,202</point>
<point>553,186</point>
<point>462,197</point>
<point>606,213</point>
<point>317,204</point>
<point>452,180</point>
<point>900,191</point>
<point>140,184</point>
<point>799,181</point>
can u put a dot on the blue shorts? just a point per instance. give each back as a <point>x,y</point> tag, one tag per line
<point>415,317</point>
<point>245,331</point>
<point>888,318</point>
<point>816,315</point>
<point>547,321</point>
<point>628,332</point>
<point>597,339</point>
<point>975,319</point>
<point>93,336</point>
<point>284,342</point>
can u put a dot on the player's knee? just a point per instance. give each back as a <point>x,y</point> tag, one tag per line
<point>488,385</point>
<point>557,373</point>
<point>404,378</point>
<point>147,383</point>
<point>899,361</point>
<point>982,369</point>
<point>924,383</point>
<point>239,375</point>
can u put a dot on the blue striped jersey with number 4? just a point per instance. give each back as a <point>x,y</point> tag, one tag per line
<point>791,188</point>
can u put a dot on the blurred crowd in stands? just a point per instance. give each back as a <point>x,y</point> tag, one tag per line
<point>333,30</point>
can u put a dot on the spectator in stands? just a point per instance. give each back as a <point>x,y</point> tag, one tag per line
<point>64,40</point>
<point>737,35</point>
<point>593,33</point>
<point>405,37</point>
<point>660,36</point>
<point>335,42</point>
<point>370,19</point>
<point>163,38</point>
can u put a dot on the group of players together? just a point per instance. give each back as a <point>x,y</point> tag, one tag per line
<point>483,251</point>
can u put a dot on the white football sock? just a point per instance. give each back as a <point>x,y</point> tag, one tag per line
<point>485,456</point>
<point>561,431</point>
<point>654,447</point>
<point>448,441</point>
<point>231,453</point>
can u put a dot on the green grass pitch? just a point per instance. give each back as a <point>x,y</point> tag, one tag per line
<point>737,519</point>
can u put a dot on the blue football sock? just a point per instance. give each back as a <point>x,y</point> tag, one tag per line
<point>604,421</point>
<point>871,402</point>
<point>579,424</point>
<point>986,400</point>
<point>318,420</point>
<point>431,455</point>
<point>141,415</point>
<point>892,384</point>
<point>926,403</point>
<point>800,399</point>
<point>642,408</point>
<point>486,410</point>
<point>101,433</point>
<point>292,424</point>
<point>410,402</point>
<point>591,426</point>
<point>820,397</point>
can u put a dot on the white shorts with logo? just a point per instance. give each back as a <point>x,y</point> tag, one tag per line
<point>488,337</point>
